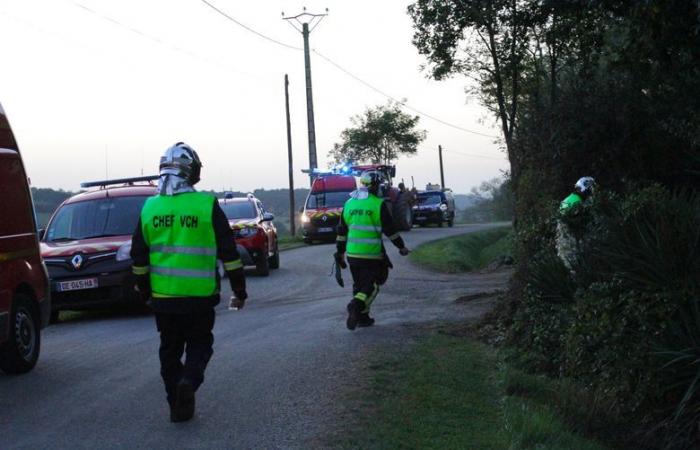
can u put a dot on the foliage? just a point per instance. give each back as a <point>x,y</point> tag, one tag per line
<point>379,136</point>
<point>609,89</point>
<point>624,322</point>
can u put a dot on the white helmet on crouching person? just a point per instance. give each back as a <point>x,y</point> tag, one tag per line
<point>585,186</point>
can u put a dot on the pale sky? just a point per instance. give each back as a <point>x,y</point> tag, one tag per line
<point>103,87</point>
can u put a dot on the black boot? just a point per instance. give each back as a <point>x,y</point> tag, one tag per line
<point>354,310</point>
<point>183,408</point>
<point>365,320</point>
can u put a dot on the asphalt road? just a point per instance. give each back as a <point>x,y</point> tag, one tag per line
<point>278,365</point>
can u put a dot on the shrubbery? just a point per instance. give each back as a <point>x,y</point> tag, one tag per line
<point>626,322</point>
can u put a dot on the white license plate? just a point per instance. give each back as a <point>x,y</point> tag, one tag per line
<point>88,283</point>
<point>325,230</point>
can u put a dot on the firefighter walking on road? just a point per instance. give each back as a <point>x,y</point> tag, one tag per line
<point>365,217</point>
<point>180,236</point>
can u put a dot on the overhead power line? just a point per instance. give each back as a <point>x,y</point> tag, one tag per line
<point>159,41</point>
<point>246,27</point>
<point>391,97</point>
<point>291,47</point>
<point>347,72</point>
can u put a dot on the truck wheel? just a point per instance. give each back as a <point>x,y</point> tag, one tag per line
<point>262,265</point>
<point>403,217</point>
<point>21,351</point>
<point>274,261</point>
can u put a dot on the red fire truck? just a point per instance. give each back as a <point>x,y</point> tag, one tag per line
<point>330,190</point>
<point>321,212</point>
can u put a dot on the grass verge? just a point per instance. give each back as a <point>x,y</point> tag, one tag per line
<point>289,242</point>
<point>452,392</point>
<point>472,251</point>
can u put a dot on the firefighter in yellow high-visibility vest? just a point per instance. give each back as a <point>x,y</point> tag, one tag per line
<point>179,238</point>
<point>365,217</point>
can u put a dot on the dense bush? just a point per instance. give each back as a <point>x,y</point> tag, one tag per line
<point>626,322</point>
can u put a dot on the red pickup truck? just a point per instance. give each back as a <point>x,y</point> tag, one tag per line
<point>25,305</point>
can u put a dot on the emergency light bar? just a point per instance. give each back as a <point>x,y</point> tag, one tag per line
<point>133,180</point>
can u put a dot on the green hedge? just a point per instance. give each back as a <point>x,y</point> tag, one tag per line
<point>626,322</point>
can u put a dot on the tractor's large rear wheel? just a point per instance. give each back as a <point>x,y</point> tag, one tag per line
<point>403,216</point>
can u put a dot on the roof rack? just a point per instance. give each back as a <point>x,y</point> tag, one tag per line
<point>129,181</point>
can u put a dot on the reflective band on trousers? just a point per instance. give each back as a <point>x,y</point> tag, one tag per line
<point>364,241</point>
<point>364,227</point>
<point>182,250</point>
<point>185,273</point>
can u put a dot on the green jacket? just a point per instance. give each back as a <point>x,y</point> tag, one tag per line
<point>364,222</point>
<point>569,202</point>
<point>182,243</point>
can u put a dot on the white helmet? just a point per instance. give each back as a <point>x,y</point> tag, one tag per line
<point>181,160</point>
<point>585,185</point>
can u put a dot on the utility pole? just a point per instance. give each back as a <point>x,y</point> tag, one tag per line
<point>308,23</point>
<point>442,171</point>
<point>292,207</point>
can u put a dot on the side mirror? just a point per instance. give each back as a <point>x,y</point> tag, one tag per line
<point>267,217</point>
<point>41,233</point>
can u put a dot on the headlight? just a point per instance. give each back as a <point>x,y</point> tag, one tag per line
<point>443,207</point>
<point>415,208</point>
<point>247,231</point>
<point>124,252</point>
<point>305,218</point>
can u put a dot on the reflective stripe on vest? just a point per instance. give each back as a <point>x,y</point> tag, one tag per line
<point>363,218</point>
<point>179,232</point>
<point>182,250</point>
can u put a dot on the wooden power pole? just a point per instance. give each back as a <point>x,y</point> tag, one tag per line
<point>292,207</point>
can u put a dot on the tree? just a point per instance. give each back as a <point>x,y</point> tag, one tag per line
<point>379,136</point>
<point>484,39</point>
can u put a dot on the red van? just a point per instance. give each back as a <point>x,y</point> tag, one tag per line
<point>25,306</point>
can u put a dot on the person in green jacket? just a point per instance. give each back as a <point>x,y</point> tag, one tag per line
<point>567,239</point>
<point>179,238</point>
<point>365,217</point>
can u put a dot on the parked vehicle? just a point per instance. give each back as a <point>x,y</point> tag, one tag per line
<point>25,302</point>
<point>256,235</point>
<point>434,206</point>
<point>87,243</point>
<point>320,215</point>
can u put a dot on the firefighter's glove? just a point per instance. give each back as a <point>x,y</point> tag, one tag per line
<point>404,251</point>
<point>340,260</point>
<point>143,287</point>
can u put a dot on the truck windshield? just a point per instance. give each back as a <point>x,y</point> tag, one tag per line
<point>114,216</point>
<point>327,200</point>
<point>431,199</point>
<point>239,210</point>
